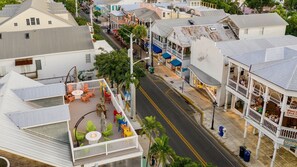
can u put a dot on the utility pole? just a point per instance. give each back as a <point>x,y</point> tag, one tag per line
<point>132,86</point>
<point>76,14</point>
<point>91,13</point>
<point>150,45</point>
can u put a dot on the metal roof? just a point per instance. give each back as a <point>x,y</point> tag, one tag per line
<point>145,14</point>
<point>45,41</point>
<point>219,12</point>
<point>238,47</point>
<point>257,20</point>
<point>14,140</point>
<point>165,26</point>
<point>203,77</point>
<point>40,116</point>
<point>41,92</point>
<point>282,73</point>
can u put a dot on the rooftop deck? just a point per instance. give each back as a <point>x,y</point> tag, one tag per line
<point>118,147</point>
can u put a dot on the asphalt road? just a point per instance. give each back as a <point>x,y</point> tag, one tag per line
<point>187,138</point>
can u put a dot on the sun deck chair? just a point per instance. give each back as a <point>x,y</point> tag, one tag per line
<point>69,89</point>
<point>108,131</point>
<point>80,136</point>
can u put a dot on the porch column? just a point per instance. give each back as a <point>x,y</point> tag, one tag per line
<point>274,154</point>
<point>283,110</point>
<point>141,159</point>
<point>182,52</point>
<point>248,86</point>
<point>244,109</point>
<point>250,90</point>
<point>228,74</point>
<point>245,132</point>
<point>258,144</point>
<point>238,73</point>
<point>226,101</point>
<point>265,104</point>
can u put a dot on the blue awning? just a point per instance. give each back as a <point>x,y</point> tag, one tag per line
<point>175,62</point>
<point>156,49</point>
<point>166,55</point>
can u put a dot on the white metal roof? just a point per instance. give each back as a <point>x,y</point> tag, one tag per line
<point>40,92</point>
<point>257,20</point>
<point>40,116</point>
<point>17,141</point>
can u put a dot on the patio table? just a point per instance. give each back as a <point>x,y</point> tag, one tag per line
<point>77,93</point>
<point>93,137</point>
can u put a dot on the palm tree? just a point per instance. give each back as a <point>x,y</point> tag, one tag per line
<point>161,150</point>
<point>151,127</point>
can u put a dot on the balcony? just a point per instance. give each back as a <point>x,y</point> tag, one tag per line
<point>242,89</point>
<point>159,44</point>
<point>232,84</point>
<point>288,133</point>
<point>116,146</point>
<point>254,115</point>
<point>174,52</point>
<point>270,125</point>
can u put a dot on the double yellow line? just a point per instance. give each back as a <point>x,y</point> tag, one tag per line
<point>173,127</point>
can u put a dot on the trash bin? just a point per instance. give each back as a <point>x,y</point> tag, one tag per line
<point>151,70</point>
<point>247,156</point>
<point>221,132</point>
<point>241,151</point>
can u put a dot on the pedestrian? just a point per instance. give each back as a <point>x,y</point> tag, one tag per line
<point>153,161</point>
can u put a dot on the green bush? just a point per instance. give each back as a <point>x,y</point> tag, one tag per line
<point>81,21</point>
<point>97,37</point>
<point>6,2</point>
<point>97,13</point>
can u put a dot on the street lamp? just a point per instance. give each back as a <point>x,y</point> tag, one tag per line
<point>213,114</point>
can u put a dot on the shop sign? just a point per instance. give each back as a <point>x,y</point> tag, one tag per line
<point>291,113</point>
<point>290,143</point>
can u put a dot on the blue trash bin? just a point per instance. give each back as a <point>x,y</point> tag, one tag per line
<point>247,156</point>
<point>221,132</point>
<point>241,151</point>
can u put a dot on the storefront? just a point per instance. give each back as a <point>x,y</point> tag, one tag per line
<point>166,59</point>
<point>201,80</point>
<point>176,66</point>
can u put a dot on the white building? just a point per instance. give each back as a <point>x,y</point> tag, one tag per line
<point>48,53</point>
<point>37,124</point>
<point>34,14</point>
<point>211,61</point>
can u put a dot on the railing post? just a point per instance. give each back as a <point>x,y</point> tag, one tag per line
<point>250,90</point>
<point>106,152</point>
<point>264,106</point>
<point>283,110</point>
<point>237,81</point>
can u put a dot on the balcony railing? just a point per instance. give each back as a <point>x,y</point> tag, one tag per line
<point>105,148</point>
<point>288,133</point>
<point>174,52</point>
<point>232,84</point>
<point>270,125</point>
<point>242,89</point>
<point>159,44</point>
<point>254,115</point>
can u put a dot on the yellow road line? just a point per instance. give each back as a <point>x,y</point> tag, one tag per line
<point>173,127</point>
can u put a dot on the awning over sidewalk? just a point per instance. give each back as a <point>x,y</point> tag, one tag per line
<point>203,77</point>
<point>176,62</point>
<point>156,49</point>
<point>166,55</point>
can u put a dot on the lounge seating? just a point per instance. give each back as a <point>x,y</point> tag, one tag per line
<point>90,126</point>
<point>86,88</point>
<point>107,97</point>
<point>69,98</point>
<point>80,136</point>
<point>108,131</point>
<point>121,122</point>
<point>69,89</point>
<point>115,113</point>
<point>85,99</point>
<point>91,93</point>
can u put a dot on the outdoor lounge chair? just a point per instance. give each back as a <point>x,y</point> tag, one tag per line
<point>69,89</point>
<point>91,93</point>
<point>85,99</point>
<point>108,131</point>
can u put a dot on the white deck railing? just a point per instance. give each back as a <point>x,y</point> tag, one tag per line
<point>288,133</point>
<point>232,84</point>
<point>254,115</point>
<point>107,147</point>
<point>270,125</point>
<point>159,43</point>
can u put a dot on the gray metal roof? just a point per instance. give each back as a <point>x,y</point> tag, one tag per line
<point>257,20</point>
<point>40,92</point>
<point>261,56</point>
<point>40,116</point>
<point>219,12</point>
<point>145,14</point>
<point>105,2</point>
<point>48,7</point>
<point>203,77</point>
<point>238,47</point>
<point>45,41</point>
<point>282,73</point>
<point>38,147</point>
<point>165,26</point>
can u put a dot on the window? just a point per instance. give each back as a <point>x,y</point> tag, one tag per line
<point>246,31</point>
<point>37,21</point>
<point>15,24</point>
<point>0,36</point>
<point>28,22</point>
<point>38,64</point>
<point>49,22</point>
<point>32,20</point>
<point>88,58</point>
<point>27,36</point>
<point>163,14</point>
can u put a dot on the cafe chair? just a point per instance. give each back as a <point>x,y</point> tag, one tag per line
<point>85,99</point>
<point>69,89</point>
<point>91,93</point>
<point>115,112</point>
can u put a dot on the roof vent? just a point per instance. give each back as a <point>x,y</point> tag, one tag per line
<point>191,22</point>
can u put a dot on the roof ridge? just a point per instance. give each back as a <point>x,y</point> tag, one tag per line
<point>292,74</point>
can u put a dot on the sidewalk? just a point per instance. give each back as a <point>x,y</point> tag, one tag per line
<point>231,121</point>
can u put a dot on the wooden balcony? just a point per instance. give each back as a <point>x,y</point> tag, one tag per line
<point>254,115</point>
<point>270,125</point>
